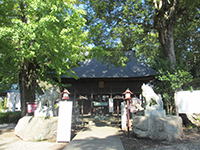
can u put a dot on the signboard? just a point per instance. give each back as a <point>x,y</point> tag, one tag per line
<point>123,115</point>
<point>110,105</point>
<point>64,121</point>
<point>188,101</point>
<point>100,104</point>
<point>31,107</point>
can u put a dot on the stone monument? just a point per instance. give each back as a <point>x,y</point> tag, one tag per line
<point>155,124</point>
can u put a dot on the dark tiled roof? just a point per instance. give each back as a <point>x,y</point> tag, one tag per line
<point>94,69</point>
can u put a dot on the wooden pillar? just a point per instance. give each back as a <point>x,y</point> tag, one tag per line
<point>128,116</point>
<point>82,111</point>
<point>74,101</point>
<point>91,104</point>
<point>117,111</point>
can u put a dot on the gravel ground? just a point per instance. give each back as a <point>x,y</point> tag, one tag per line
<point>191,141</point>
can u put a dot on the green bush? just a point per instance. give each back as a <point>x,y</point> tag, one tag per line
<point>3,104</point>
<point>10,117</point>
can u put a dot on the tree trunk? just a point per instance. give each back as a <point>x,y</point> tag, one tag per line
<point>27,75</point>
<point>164,20</point>
<point>27,83</point>
<point>166,38</point>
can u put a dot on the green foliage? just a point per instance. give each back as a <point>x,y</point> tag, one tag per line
<point>198,118</point>
<point>171,80</point>
<point>56,106</point>
<point>3,104</point>
<point>10,117</point>
<point>40,40</point>
<point>44,33</point>
<point>112,27</point>
<point>176,79</point>
<point>134,24</point>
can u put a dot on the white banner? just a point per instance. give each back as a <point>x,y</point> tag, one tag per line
<point>110,105</point>
<point>64,121</point>
<point>188,101</point>
<point>123,115</point>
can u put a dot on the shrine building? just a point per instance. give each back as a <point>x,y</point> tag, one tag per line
<point>98,82</point>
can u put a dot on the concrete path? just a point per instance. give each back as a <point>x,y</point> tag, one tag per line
<point>96,138</point>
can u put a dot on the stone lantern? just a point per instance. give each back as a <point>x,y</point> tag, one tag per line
<point>65,94</point>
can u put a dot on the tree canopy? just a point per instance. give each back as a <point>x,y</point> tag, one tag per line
<point>163,33</point>
<point>39,40</point>
<point>142,25</point>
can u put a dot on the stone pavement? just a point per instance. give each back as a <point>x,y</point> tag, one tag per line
<point>96,138</point>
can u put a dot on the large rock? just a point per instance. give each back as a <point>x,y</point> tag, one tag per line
<point>31,128</point>
<point>158,128</point>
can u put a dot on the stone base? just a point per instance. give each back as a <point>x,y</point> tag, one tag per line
<point>155,113</point>
<point>158,128</point>
<point>43,112</point>
<point>140,113</point>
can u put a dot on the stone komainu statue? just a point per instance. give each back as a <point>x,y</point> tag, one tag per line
<point>48,98</point>
<point>46,101</point>
<point>149,94</point>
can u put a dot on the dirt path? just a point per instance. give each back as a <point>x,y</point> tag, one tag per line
<point>9,141</point>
